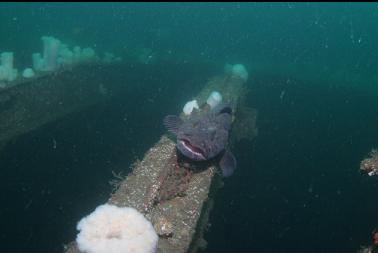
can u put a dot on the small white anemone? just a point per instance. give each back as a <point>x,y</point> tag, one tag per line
<point>28,73</point>
<point>214,99</point>
<point>112,229</point>
<point>239,70</point>
<point>188,107</point>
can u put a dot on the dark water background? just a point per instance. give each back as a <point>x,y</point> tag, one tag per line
<point>297,187</point>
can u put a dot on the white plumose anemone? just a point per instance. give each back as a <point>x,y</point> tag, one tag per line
<point>239,70</point>
<point>28,73</point>
<point>189,107</point>
<point>112,229</point>
<point>214,99</point>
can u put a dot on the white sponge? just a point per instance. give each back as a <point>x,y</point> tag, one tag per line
<point>112,229</point>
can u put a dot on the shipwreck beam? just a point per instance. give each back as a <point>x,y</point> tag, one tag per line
<point>177,203</point>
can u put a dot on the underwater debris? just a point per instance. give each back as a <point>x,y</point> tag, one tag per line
<point>371,248</point>
<point>370,165</point>
<point>365,249</point>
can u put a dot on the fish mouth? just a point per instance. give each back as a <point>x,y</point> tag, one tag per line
<point>193,150</point>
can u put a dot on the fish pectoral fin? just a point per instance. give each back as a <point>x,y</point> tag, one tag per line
<point>172,123</point>
<point>227,163</point>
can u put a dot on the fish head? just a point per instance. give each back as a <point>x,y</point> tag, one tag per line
<point>202,138</point>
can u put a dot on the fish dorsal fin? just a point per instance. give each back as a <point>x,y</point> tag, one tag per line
<point>172,123</point>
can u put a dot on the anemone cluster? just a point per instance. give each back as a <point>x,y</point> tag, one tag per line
<point>54,56</point>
